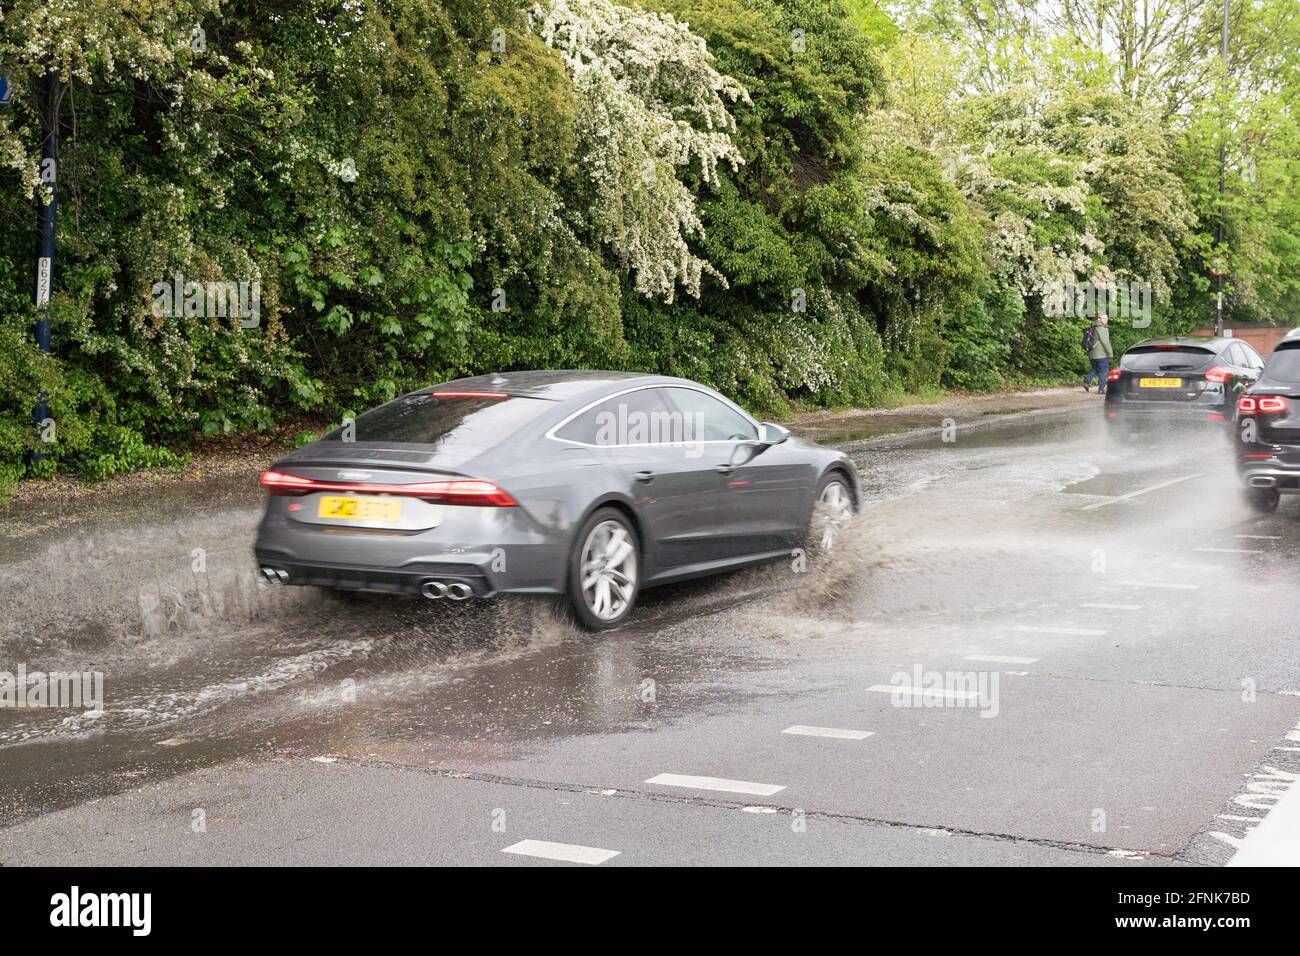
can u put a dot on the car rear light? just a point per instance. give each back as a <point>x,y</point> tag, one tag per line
<point>279,483</point>
<point>458,491</point>
<point>1264,404</point>
<point>1217,374</point>
<point>1255,455</point>
<point>1113,375</point>
<point>456,393</point>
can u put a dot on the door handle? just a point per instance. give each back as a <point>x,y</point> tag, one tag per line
<point>646,476</point>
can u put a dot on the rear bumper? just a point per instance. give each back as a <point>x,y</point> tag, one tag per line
<point>489,550</point>
<point>1280,471</point>
<point>409,580</point>
<point>1156,414</point>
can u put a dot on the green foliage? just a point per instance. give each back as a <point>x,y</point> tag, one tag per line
<point>796,201</point>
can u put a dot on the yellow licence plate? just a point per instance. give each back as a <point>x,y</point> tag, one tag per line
<point>1160,383</point>
<point>349,508</point>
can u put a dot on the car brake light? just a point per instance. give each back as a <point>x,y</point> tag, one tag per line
<point>276,481</point>
<point>1217,374</point>
<point>1264,404</point>
<point>454,393</point>
<point>458,491</point>
<point>1112,375</point>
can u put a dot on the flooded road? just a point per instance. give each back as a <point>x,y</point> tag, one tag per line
<point>1113,633</point>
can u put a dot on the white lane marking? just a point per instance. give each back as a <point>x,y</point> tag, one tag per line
<point>1140,491</point>
<point>1114,607</point>
<point>839,733</point>
<point>1231,550</point>
<point>565,852</point>
<point>995,659</point>
<point>1262,537</point>
<point>933,693</point>
<point>1161,584</point>
<point>1081,631</point>
<point>1180,566</point>
<point>714,783</point>
<point>1276,840</point>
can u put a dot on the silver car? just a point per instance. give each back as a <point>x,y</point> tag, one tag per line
<point>587,485</point>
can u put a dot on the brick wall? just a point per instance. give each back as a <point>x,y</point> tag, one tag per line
<point>1262,338</point>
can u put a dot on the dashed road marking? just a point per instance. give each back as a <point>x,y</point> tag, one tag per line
<point>924,693</point>
<point>1161,584</point>
<point>996,659</point>
<point>1140,491</point>
<point>1262,537</point>
<point>715,783</point>
<point>839,733</point>
<point>1080,631</point>
<point>565,852</point>
<point>1230,550</point>
<point>1113,607</point>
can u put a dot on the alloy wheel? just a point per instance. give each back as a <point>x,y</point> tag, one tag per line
<point>609,570</point>
<point>834,510</point>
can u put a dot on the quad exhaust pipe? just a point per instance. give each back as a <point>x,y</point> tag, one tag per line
<point>275,575</point>
<point>435,590</point>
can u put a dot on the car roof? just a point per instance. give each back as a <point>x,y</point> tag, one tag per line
<point>560,384</point>
<point>1215,342</point>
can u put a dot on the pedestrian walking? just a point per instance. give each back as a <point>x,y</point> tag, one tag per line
<point>1096,342</point>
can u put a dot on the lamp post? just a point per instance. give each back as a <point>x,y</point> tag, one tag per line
<point>1223,161</point>
<point>47,199</point>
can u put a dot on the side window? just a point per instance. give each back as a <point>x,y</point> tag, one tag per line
<point>1252,357</point>
<point>707,419</point>
<point>634,418</point>
<point>1232,355</point>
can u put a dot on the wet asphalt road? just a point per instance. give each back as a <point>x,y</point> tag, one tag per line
<point>1122,628</point>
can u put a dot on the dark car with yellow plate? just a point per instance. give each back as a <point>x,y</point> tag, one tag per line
<point>1186,379</point>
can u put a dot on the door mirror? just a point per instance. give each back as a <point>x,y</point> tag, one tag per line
<point>770,433</point>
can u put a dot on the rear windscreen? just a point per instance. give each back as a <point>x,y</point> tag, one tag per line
<point>1146,358</point>
<point>463,423</point>
<point>1284,365</point>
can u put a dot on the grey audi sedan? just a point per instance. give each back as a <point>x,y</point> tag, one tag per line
<point>586,485</point>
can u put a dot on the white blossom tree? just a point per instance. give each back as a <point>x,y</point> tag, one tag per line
<point>651,108</point>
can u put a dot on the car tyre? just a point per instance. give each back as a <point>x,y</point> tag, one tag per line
<point>833,508</point>
<point>604,570</point>
<point>1263,500</point>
